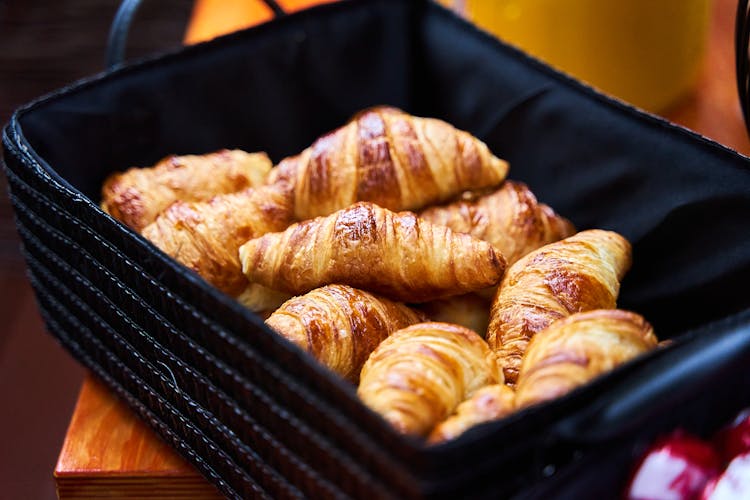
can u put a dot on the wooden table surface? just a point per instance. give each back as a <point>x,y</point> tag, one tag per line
<point>109,451</point>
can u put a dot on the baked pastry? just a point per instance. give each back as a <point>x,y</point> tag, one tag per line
<point>574,350</point>
<point>261,299</point>
<point>510,218</point>
<point>205,236</point>
<point>138,195</point>
<point>388,157</point>
<point>340,326</point>
<point>489,403</point>
<point>469,310</point>
<point>579,273</point>
<point>416,377</point>
<point>396,255</point>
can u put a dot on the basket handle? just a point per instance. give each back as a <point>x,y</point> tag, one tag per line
<point>118,32</point>
<point>741,58</point>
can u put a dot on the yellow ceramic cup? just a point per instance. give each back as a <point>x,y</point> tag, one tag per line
<point>646,52</point>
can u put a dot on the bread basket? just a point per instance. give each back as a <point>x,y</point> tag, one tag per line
<point>252,412</point>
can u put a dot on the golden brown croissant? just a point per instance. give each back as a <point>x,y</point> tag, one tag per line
<point>574,350</point>
<point>416,377</point>
<point>340,326</point>
<point>579,273</point>
<point>489,403</point>
<point>388,157</point>
<point>393,254</point>
<point>469,310</point>
<point>205,236</point>
<point>138,195</point>
<point>510,218</point>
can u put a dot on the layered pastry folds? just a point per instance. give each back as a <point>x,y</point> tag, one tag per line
<point>388,157</point>
<point>510,218</point>
<point>206,236</point>
<point>579,273</point>
<point>138,195</point>
<point>365,246</point>
<point>419,375</point>
<point>573,350</point>
<point>489,403</point>
<point>340,326</point>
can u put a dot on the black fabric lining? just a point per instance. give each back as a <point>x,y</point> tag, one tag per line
<point>322,11</point>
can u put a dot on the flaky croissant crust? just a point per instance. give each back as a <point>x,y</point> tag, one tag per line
<point>137,196</point>
<point>206,236</point>
<point>489,403</point>
<point>340,326</point>
<point>388,157</point>
<point>510,218</point>
<point>574,350</point>
<point>416,377</point>
<point>579,273</point>
<point>365,246</point>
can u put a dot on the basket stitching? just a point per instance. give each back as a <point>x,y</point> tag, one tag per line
<point>194,312</point>
<point>132,378</point>
<point>305,432</point>
<point>213,420</point>
<point>308,398</point>
<point>207,441</point>
<point>196,375</point>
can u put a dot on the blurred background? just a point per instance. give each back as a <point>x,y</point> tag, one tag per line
<point>673,57</point>
<point>45,45</point>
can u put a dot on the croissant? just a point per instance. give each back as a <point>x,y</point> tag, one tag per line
<point>261,299</point>
<point>416,377</point>
<point>340,326</point>
<point>138,195</point>
<point>388,157</point>
<point>509,218</point>
<point>365,246</point>
<point>489,403</point>
<point>579,273</point>
<point>469,310</point>
<point>574,350</point>
<point>206,236</point>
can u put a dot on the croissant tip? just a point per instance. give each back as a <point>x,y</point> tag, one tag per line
<point>379,109</point>
<point>499,261</point>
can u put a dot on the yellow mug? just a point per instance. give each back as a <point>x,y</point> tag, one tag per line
<point>646,52</point>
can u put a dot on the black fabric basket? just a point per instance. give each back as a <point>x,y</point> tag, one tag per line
<point>256,415</point>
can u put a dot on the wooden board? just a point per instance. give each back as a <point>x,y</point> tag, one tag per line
<point>108,451</point>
